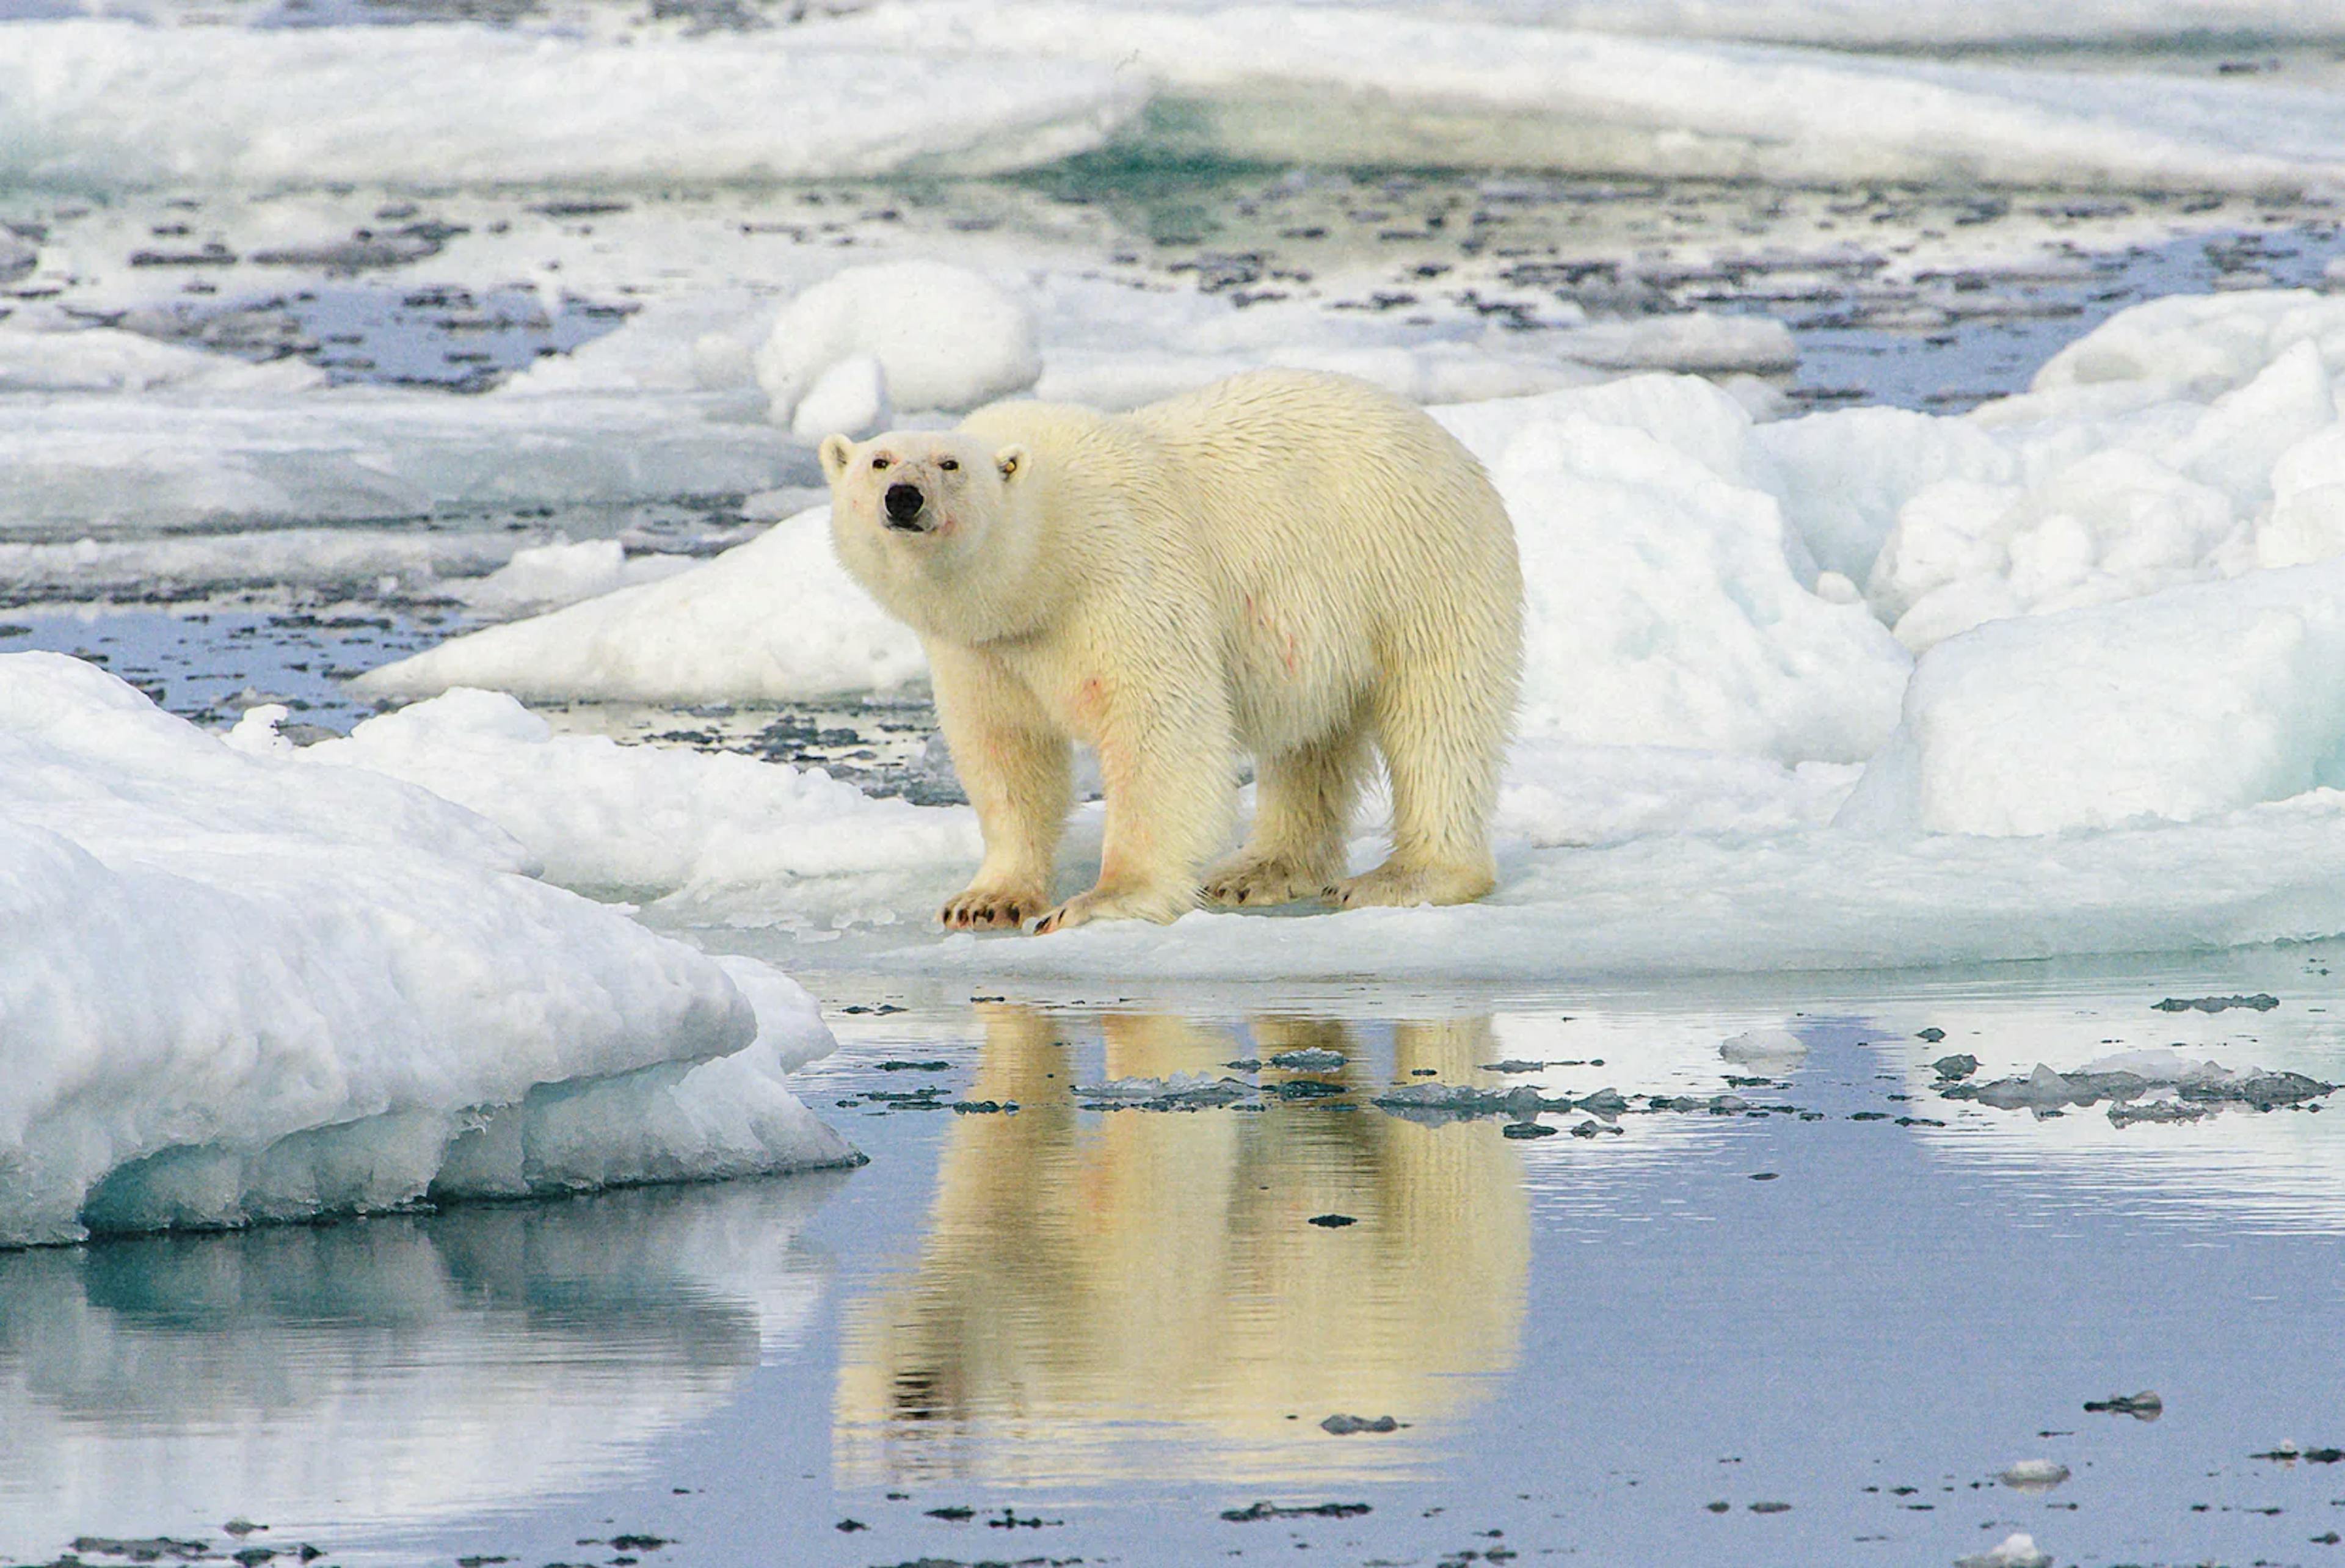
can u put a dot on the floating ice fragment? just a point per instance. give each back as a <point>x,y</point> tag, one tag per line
<point>1180,1091</point>
<point>2144,1406</point>
<point>1311,1059</point>
<point>1764,1045</point>
<point>2035,1475</point>
<point>2262,1002</point>
<point>2126,1113</point>
<point>2017,1550</point>
<point>2130,1075</point>
<point>1345,1425</point>
<point>1960,1065</point>
<point>2289,1454</point>
<point>1460,1102</point>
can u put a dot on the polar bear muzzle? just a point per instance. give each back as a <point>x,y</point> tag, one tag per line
<point>904,503</point>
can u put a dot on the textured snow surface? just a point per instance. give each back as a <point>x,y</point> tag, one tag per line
<point>238,987</point>
<point>116,102</point>
<point>981,86</point>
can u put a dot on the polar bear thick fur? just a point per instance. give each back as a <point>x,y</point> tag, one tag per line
<point>1286,561</point>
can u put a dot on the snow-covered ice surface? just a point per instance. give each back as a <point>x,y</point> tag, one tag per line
<point>238,989</point>
<point>2133,751</point>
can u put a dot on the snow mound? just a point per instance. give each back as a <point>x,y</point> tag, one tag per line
<point>2180,705</point>
<point>943,337</point>
<point>1662,606</point>
<point>636,820</point>
<point>546,576</point>
<point>239,988</point>
<point>2189,440</point>
<point>2200,345</point>
<point>774,620</point>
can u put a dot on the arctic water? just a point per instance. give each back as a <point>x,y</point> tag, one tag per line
<point>1689,1271</point>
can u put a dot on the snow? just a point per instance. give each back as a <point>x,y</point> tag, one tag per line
<point>109,463</point>
<point>241,987</point>
<point>2179,706</point>
<point>927,86</point>
<point>114,104</point>
<point>1331,84</point>
<point>944,338</point>
<point>633,821</point>
<point>774,620</point>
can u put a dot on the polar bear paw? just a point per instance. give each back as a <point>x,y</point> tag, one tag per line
<point>992,909</point>
<point>1257,880</point>
<point>1394,883</point>
<point>1105,904</point>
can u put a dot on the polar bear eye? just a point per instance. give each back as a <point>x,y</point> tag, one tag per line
<point>879,463</point>
<point>951,465</point>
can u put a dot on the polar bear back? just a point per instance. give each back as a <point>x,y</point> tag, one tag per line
<point>1336,531</point>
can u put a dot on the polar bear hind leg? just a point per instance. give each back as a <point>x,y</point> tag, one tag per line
<point>1442,728</point>
<point>1303,810</point>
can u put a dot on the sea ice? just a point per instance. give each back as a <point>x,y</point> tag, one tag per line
<point>114,104</point>
<point>1303,84</point>
<point>636,821</point>
<point>1764,1045</point>
<point>2180,705</point>
<point>944,338</point>
<point>542,576</point>
<point>775,620</point>
<point>239,987</point>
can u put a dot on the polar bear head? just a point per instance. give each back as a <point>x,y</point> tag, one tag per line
<point>927,521</point>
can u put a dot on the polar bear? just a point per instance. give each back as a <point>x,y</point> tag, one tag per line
<point>1291,563</point>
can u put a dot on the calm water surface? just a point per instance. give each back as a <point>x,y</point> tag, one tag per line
<point>1101,1330</point>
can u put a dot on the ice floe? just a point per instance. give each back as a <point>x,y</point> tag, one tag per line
<point>114,103</point>
<point>2153,769</point>
<point>238,987</point>
<point>923,86</point>
<point>941,336</point>
<point>1337,84</point>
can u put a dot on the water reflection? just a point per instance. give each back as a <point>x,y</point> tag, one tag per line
<point>1141,1292</point>
<point>393,1371</point>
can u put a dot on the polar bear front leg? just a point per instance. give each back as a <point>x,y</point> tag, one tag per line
<point>1015,766</point>
<point>1165,756</point>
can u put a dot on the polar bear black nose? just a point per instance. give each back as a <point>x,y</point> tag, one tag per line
<point>904,503</point>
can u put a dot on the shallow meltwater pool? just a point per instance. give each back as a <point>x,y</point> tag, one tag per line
<point>1779,1271</point>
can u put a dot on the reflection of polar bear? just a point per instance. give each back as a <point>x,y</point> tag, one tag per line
<point>1289,562</point>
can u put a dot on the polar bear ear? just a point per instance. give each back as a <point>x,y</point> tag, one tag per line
<point>1011,461</point>
<point>837,452</point>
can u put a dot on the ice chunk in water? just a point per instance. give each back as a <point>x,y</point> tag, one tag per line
<point>1765,1046</point>
<point>2016,1550</point>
